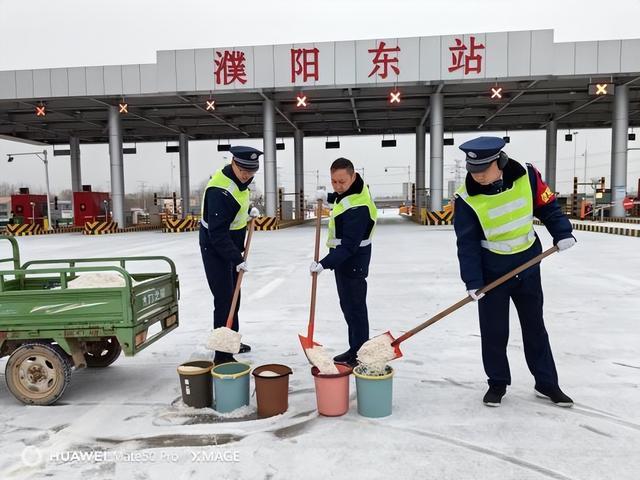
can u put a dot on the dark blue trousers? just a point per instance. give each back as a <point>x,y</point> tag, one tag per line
<point>221,276</point>
<point>352,292</point>
<point>526,293</point>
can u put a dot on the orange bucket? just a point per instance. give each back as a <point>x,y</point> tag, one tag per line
<point>332,391</point>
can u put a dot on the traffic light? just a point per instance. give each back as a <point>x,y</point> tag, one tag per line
<point>55,202</point>
<point>155,199</point>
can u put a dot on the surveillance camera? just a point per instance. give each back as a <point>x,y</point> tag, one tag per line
<point>10,159</point>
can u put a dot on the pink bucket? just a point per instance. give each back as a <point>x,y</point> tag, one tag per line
<point>332,391</point>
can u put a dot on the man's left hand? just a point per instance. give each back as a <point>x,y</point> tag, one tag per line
<point>565,243</point>
<point>254,212</point>
<point>316,267</point>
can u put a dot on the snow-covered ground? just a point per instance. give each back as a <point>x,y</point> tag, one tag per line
<point>130,415</point>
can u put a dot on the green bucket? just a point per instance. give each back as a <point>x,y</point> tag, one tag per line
<point>374,392</point>
<point>231,386</point>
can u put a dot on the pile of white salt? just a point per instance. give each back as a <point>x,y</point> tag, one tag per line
<point>224,339</point>
<point>319,358</point>
<point>375,353</point>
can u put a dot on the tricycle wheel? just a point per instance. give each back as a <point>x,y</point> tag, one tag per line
<point>37,373</point>
<point>102,353</point>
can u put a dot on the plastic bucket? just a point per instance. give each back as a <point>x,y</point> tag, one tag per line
<point>332,391</point>
<point>272,389</point>
<point>375,393</point>
<point>231,384</point>
<point>195,383</point>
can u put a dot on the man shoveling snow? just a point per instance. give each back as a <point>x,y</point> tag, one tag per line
<point>225,212</point>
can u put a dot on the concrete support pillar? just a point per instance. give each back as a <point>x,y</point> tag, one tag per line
<point>551,154</point>
<point>117,166</point>
<point>436,135</point>
<point>619,130</point>
<point>420,168</point>
<point>298,148</point>
<point>269,149</point>
<point>185,191</point>
<point>76,173</point>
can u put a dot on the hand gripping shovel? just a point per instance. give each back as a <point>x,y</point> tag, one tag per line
<point>388,339</point>
<point>317,357</point>
<point>224,339</point>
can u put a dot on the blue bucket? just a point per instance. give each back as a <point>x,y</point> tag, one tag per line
<point>375,393</point>
<point>231,386</point>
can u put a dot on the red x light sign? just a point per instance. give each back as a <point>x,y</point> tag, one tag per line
<point>124,108</point>
<point>496,92</point>
<point>601,89</point>
<point>41,110</point>
<point>394,97</point>
<point>211,105</point>
<point>302,101</point>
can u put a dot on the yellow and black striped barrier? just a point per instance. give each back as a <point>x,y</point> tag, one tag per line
<point>100,228</point>
<point>622,219</point>
<point>266,223</point>
<point>179,225</point>
<point>443,217</point>
<point>24,229</point>
<point>590,227</point>
<point>139,228</point>
<point>627,232</point>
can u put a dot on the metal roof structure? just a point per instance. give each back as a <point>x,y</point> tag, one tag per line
<point>540,80</point>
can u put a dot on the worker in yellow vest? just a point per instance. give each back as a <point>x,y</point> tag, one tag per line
<point>494,211</point>
<point>225,211</point>
<point>351,226</point>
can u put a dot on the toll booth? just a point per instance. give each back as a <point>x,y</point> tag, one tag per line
<point>90,207</point>
<point>28,208</point>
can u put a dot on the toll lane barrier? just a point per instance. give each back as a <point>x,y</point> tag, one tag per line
<point>588,227</point>
<point>443,217</point>
<point>622,219</point>
<point>267,223</point>
<point>35,229</point>
<point>100,228</point>
<point>178,225</point>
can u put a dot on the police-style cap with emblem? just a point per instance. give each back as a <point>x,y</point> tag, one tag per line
<point>246,157</point>
<point>481,152</point>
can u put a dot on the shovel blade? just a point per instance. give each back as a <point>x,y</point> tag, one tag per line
<point>307,343</point>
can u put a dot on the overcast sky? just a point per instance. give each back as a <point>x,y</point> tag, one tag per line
<point>61,33</point>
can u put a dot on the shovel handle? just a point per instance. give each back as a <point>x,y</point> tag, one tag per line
<point>468,299</point>
<point>314,275</point>
<point>236,291</point>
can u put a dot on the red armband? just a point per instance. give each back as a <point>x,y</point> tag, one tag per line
<point>543,194</point>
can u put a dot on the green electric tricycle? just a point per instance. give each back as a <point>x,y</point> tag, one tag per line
<point>48,329</point>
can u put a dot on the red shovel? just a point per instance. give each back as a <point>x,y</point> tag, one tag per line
<point>307,342</point>
<point>395,342</point>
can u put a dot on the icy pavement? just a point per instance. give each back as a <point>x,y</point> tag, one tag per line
<point>127,422</point>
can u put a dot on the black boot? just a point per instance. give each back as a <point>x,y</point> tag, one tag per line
<point>346,358</point>
<point>554,394</point>
<point>244,348</point>
<point>223,357</point>
<point>494,395</point>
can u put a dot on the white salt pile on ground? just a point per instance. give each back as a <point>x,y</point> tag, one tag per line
<point>268,373</point>
<point>318,357</point>
<point>97,280</point>
<point>375,353</point>
<point>224,339</point>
